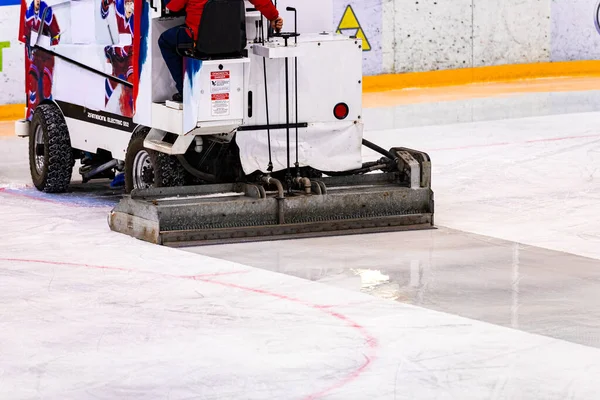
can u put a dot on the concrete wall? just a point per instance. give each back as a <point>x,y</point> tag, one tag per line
<point>425,35</point>
<point>416,35</point>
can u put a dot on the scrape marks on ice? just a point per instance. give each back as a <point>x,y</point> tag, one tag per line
<point>370,342</point>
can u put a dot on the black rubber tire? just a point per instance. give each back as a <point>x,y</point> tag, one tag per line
<point>56,172</point>
<point>168,171</point>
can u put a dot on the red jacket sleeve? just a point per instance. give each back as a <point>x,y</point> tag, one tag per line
<point>176,5</point>
<point>266,8</point>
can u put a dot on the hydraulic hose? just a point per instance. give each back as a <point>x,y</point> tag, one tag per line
<point>366,167</point>
<point>378,149</point>
<point>198,174</point>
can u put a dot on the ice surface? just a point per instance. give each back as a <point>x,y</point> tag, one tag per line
<point>86,313</point>
<point>14,163</point>
<point>504,283</point>
<point>93,314</point>
<point>533,180</point>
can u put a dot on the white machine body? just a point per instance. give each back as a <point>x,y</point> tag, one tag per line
<point>223,97</point>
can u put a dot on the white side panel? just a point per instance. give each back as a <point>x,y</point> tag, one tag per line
<point>76,85</point>
<point>91,55</point>
<point>327,146</point>
<point>221,90</point>
<point>322,82</point>
<point>277,50</point>
<point>167,119</point>
<point>91,137</point>
<point>192,87</point>
<point>85,26</point>
<point>212,91</point>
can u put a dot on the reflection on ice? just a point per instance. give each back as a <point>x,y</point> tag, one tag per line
<point>478,277</point>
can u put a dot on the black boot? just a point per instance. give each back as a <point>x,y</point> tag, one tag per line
<point>178,97</point>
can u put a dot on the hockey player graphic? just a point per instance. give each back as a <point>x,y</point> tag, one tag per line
<point>119,55</point>
<point>39,64</point>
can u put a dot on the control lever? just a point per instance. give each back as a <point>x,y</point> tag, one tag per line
<point>292,9</point>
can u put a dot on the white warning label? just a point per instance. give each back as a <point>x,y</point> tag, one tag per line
<point>219,82</point>
<point>220,104</point>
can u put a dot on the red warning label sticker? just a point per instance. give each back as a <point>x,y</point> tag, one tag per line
<point>219,75</point>
<point>220,87</point>
<point>220,104</point>
<point>220,96</point>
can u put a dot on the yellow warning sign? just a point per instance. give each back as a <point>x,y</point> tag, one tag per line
<point>349,25</point>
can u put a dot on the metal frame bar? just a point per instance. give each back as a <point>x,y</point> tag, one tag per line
<point>87,68</point>
<point>271,127</point>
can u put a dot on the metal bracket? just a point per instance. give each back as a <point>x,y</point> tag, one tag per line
<point>154,141</point>
<point>413,166</point>
<point>421,175</point>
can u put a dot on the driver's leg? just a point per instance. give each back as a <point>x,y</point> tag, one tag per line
<point>167,43</point>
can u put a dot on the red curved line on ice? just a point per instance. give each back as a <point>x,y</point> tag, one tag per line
<point>371,341</point>
<point>67,264</point>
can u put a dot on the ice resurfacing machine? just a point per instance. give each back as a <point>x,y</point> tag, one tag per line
<point>266,143</point>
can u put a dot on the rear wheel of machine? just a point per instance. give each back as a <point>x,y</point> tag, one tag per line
<point>146,168</point>
<point>50,153</point>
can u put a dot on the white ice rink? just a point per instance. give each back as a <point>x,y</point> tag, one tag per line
<point>86,313</point>
<point>533,180</point>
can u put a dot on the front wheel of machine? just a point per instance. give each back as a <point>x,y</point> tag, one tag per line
<point>146,168</point>
<point>50,153</point>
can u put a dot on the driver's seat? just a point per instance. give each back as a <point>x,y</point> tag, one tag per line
<point>222,31</point>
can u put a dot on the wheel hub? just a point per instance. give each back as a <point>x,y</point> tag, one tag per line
<point>143,172</point>
<point>39,144</point>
